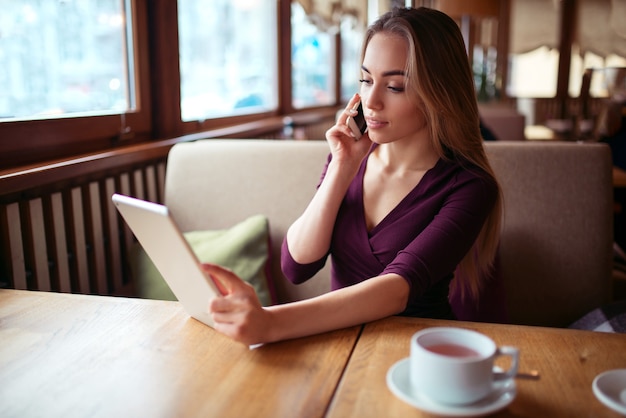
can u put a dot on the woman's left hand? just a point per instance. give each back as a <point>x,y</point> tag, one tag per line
<point>343,144</point>
<point>238,312</point>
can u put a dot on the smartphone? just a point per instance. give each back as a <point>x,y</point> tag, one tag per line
<point>357,123</point>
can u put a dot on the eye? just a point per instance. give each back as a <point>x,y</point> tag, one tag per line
<point>396,89</point>
<point>364,81</point>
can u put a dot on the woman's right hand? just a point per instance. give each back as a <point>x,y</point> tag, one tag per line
<point>237,313</point>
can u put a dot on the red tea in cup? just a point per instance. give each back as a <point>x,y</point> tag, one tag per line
<point>454,350</point>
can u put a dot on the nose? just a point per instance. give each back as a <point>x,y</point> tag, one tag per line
<point>372,99</point>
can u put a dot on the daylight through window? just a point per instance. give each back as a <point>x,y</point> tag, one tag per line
<point>63,58</point>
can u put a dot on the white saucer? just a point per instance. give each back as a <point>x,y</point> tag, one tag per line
<point>400,385</point>
<point>610,389</point>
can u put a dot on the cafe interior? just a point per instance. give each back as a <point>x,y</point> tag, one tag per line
<point>218,110</point>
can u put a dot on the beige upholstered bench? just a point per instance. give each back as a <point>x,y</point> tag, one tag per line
<point>556,246</point>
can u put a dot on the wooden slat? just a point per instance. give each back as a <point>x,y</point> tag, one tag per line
<point>137,185</point>
<point>127,235</point>
<point>161,180</point>
<point>151,185</point>
<point>51,245</point>
<point>15,247</point>
<point>114,248</point>
<point>124,184</point>
<point>41,280</point>
<point>96,239</point>
<point>80,248</point>
<point>27,242</point>
<point>60,243</point>
<point>5,264</point>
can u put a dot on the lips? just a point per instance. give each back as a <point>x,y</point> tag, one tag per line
<point>375,123</point>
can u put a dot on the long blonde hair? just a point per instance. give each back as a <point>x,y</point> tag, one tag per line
<point>441,82</point>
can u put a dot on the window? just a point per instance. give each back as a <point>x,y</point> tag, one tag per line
<point>599,84</point>
<point>228,57</point>
<point>352,34</point>
<point>485,60</point>
<point>64,57</point>
<point>313,63</point>
<point>72,80</point>
<point>600,43</point>
<point>534,73</point>
<point>81,77</point>
<point>534,55</point>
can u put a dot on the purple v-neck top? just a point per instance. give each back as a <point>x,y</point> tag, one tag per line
<point>422,239</point>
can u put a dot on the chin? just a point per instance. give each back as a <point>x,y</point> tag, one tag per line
<point>378,138</point>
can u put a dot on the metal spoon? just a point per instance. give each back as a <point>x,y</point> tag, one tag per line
<point>529,375</point>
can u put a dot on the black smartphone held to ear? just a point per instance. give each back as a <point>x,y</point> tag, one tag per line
<point>357,123</point>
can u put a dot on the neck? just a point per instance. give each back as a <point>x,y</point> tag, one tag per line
<point>405,157</point>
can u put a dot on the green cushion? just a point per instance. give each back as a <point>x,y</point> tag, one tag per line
<point>243,248</point>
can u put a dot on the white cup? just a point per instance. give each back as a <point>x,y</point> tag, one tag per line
<point>455,365</point>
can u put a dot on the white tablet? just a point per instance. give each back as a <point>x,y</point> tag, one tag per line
<point>160,237</point>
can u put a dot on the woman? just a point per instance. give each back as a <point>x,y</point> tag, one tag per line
<point>398,210</point>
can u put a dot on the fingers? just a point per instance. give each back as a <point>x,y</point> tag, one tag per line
<point>349,111</point>
<point>229,308</point>
<point>220,285</point>
<point>341,131</point>
<point>228,320</point>
<point>354,100</point>
<point>240,317</point>
<point>237,295</point>
<point>225,280</point>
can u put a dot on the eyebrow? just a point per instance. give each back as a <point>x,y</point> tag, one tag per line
<point>386,73</point>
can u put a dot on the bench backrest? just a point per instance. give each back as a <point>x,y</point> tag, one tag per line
<point>556,244</point>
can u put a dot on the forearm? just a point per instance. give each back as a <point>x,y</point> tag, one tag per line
<point>370,300</point>
<point>310,235</point>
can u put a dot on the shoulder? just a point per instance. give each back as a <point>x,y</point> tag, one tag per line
<point>467,177</point>
<point>463,171</point>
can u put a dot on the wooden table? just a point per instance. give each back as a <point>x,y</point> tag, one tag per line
<point>65,355</point>
<point>567,360</point>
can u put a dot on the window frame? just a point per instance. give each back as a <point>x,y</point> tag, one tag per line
<point>24,142</point>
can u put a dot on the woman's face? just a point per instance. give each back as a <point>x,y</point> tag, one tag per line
<point>390,115</point>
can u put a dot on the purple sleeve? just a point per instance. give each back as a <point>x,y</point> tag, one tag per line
<point>438,249</point>
<point>295,272</point>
